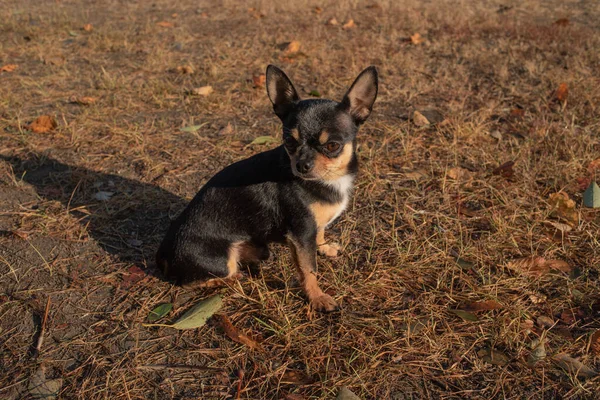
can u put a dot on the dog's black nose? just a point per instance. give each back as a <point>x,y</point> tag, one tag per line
<point>304,166</point>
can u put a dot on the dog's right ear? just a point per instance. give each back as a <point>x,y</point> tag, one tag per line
<point>281,91</point>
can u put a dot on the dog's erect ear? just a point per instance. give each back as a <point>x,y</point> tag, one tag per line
<point>280,90</point>
<point>358,102</point>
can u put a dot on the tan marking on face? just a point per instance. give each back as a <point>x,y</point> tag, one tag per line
<point>323,137</point>
<point>295,134</point>
<point>323,213</point>
<point>333,168</point>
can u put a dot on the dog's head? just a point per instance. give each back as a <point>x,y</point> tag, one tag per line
<point>319,135</point>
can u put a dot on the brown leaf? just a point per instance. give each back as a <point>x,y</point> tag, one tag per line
<point>349,24</point>
<point>185,69</point>
<point>571,316</point>
<point>88,27</point>
<point>594,165</point>
<point>538,266</point>
<point>574,366</point>
<point>563,207</point>
<point>419,119</point>
<point>82,100</point>
<point>165,24</point>
<point>517,113</point>
<point>562,92</point>
<point>318,10</point>
<point>505,170</point>
<point>482,306</point>
<point>494,357</point>
<point>226,130</point>
<point>296,377</point>
<point>234,334</point>
<point>256,13</point>
<point>8,68</point>
<point>545,322</point>
<point>259,81</point>
<point>332,21</point>
<point>562,22</point>
<point>458,173</point>
<point>595,342</point>
<point>292,47</point>
<point>416,39</point>
<point>538,352</point>
<point>202,91</point>
<point>134,274</point>
<point>43,124</point>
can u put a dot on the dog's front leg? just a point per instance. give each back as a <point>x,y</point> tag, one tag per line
<point>304,254</point>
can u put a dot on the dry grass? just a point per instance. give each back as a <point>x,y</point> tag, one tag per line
<point>409,222</point>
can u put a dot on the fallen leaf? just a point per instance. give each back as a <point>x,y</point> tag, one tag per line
<point>563,207</point>
<point>196,316</point>
<point>591,196</point>
<point>264,140</point>
<point>482,306</point>
<point>538,266</point>
<point>562,92</point>
<point>314,93</point>
<point>202,91</point>
<point>318,10</point>
<point>234,334</point>
<point>415,174</point>
<point>185,69</point>
<point>292,47</point>
<point>43,124</point>
<point>569,317</point>
<point>574,366</point>
<point>8,68</point>
<point>103,196</point>
<point>159,312</point>
<point>332,21</point>
<point>517,113</point>
<point>594,165</point>
<point>458,173</point>
<point>134,274</point>
<point>349,24</point>
<point>256,13</point>
<point>562,22</point>
<point>346,394</point>
<point>564,228</point>
<point>505,170</point>
<point>595,342</point>
<point>82,100</point>
<point>165,24</point>
<point>467,316</point>
<point>191,128</point>
<point>296,377</point>
<point>73,33</point>
<point>493,357</point>
<point>538,352</point>
<point>88,27</point>
<point>419,119</point>
<point>259,81</point>
<point>545,322</point>
<point>226,130</point>
<point>538,298</point>
<point>54,60</point>
<point>40,388</point>
<point>416,39</point>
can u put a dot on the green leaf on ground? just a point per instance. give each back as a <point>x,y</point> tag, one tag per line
<point>264,140</point>
<point>159,312</point>
<point>191,128</point>
<point>196,316</point>
<point>314,93</point>
<point>467,316</point>
<point>591,196</point>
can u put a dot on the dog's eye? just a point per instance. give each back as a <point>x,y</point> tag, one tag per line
<point>332,147</point>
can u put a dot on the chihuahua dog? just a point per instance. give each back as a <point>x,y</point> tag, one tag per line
<point>287,195</point>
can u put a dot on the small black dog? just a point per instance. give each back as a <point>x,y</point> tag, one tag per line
<point>288,194</point>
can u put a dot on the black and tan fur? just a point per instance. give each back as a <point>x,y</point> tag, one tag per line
<point>288,195</point>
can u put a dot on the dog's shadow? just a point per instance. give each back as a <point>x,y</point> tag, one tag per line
<point>127,218</point>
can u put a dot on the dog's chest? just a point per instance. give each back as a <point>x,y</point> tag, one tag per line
<point>326,213</point>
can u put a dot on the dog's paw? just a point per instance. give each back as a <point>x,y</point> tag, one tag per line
<point>329,249</point>
<point>324,303</point>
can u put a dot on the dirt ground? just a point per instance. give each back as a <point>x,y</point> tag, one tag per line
<point>434,300</point>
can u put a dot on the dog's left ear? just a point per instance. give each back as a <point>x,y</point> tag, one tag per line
<point>359,100</point>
